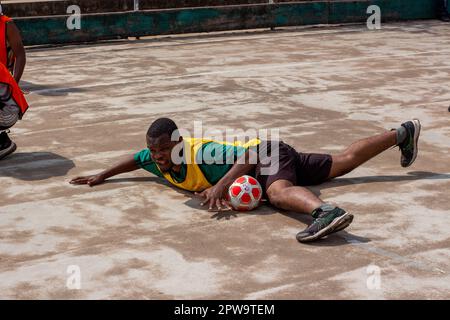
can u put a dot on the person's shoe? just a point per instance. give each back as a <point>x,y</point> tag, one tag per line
<point>444,17</point>
<point>325,223</point>
<point>344,225</point>
<point>409,147</point>
<point>6,145</point>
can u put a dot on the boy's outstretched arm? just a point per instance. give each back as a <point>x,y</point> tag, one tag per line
<point>126,165</point>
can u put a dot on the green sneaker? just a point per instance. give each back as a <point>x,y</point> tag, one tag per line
<point>409,147</point>
<point>325,223</point>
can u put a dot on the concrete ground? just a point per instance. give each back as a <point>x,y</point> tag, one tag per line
<point>135,237</point>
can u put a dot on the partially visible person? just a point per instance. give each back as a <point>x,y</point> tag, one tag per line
<point>13,105</point>
<point>12,51</point>
<point>442,7</point>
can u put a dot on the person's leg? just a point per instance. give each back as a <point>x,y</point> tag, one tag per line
<point>284,195</point>
<point>359,152</point>
<point>328,219</point>
<point>283,190</point>
<point>442,10</point>
<point>280,185</point>
<point>406,137</point>
<point>446,15</point>
<point>8,117</point>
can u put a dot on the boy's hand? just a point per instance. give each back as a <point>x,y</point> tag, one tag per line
<point>215,196</point>
<point>89,180</point>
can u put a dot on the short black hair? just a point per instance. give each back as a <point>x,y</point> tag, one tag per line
<point>161,126</point>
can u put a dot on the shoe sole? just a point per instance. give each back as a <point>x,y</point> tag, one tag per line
<point>339,227</point>
<point>8,151</point>
<point>336,225</point>
<point>417,128</point>
<point>344,225</point>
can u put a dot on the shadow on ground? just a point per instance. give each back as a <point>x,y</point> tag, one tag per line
<point>47,90</point>
<point>33,166</point>
<point>410,176</point>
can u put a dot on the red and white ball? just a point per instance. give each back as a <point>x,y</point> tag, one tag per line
<point>245,193</point>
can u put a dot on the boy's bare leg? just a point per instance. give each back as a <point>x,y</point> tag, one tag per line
<point>406,137</point>
<point>284,195</point>
<point>328,219</point>
<point>361,151</point>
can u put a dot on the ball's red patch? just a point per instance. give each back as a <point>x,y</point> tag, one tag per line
<point>252,181</point>
<point>243,208</point>
<point>246,198</point>
<point>256,193</point>
<point>235,191</point>
<point>240,180</point>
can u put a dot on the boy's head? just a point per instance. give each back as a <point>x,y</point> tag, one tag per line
<point>160,143</point>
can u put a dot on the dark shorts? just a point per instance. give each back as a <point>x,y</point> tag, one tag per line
<point>302,169</point>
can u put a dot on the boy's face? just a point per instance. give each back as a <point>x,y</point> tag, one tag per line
<point>161,150</point>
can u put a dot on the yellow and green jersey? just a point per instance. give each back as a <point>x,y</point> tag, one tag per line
<point>210,161</point>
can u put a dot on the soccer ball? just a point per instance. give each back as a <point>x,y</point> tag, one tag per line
<point>245,193</point>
